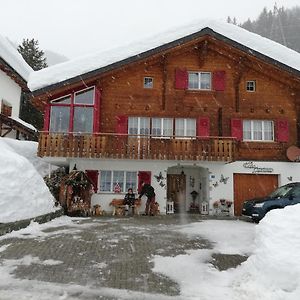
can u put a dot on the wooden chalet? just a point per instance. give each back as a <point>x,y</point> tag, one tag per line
<point>205,110</point>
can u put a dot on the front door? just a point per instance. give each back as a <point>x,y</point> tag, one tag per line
<point>176,190</point>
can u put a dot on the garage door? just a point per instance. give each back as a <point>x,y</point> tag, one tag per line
<point>248,186</point>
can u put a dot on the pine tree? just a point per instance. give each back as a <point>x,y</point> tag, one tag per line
<point>30,51</point>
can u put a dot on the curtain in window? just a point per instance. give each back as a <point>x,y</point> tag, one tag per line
<point>131,181</point>
<point>247,130</point>
<point>167,127</point>
<point>156,126</point>
<point>179,127</point>
<point>59,119</point>
<point>105,181</point>
<point>118,178</point>
<point>83,119</point>
<point>193,81</point>
<point>268,131</point>
<point>205,81</point>
<point>190,127</point>
<point>257,130</point>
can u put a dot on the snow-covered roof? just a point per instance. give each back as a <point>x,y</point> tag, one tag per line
<point>14,59</point>
<point>89,63</point>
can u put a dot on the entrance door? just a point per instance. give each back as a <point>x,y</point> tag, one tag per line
<point>176,190</point>
<point>249,186</point>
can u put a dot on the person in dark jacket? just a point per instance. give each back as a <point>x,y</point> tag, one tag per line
<point>129,200</point>
<point>148,191</point>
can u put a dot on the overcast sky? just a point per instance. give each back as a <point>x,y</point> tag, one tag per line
<point>78,27</point>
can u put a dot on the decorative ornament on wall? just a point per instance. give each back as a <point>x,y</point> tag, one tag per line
<point>161,179</point>
<point>224,179</point>
<point>290,178</point>
<point>215,184</point>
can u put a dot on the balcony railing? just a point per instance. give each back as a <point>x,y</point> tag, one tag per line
<point>120,146</point>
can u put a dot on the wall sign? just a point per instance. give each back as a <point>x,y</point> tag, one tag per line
<point>256,169</point>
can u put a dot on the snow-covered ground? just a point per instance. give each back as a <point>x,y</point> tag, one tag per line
<point>272,270</point>
<point>23,193</point>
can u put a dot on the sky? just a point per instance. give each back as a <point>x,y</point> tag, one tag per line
<point>79,27</point>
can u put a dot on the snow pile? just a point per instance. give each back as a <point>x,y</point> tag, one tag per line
<point>88,63</point>
<point>14,59</point>
<point>23,193</point>
<point>275,264</point>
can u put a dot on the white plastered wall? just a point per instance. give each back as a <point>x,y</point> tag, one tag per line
<point>211,171</point>
<point>10,91</point>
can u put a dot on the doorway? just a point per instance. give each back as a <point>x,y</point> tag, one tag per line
<point>176,191</point>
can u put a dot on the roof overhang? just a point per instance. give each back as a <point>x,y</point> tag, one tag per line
<point>163,48</point>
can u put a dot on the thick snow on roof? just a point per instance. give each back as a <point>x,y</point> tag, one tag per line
<point>82,65</point>
<point>14,59</point>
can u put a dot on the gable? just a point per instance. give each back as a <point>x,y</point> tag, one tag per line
<point>99,63</point>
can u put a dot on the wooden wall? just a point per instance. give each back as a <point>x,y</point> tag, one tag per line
<point>275,98</point>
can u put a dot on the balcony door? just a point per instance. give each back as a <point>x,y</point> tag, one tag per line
<point>176,191</point>
<point>139,136</point>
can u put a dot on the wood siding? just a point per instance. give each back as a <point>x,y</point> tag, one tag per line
<point>122,93</point>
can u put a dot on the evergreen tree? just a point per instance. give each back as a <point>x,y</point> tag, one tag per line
<point>30,51</point>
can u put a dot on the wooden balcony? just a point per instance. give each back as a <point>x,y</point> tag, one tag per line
<point>118,146</point>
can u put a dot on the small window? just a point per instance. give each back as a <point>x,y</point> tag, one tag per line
<point>139,125</point>
<point>251,86</point>
<point>85,97</point>
<point>148,82</point>
<point>199,81</point>
<point>162,127</point>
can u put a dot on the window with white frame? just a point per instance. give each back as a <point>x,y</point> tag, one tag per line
<point>125,180</point>
<point>258,130</point>
<point>148,82</point>
<point>251,86</point>
<point>139,125</point>
<point>185,127</point>
<point>162,127</point>
<point>199,81</point>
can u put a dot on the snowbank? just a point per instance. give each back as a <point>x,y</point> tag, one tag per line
<point>274,267</point>
<point>23,193</point>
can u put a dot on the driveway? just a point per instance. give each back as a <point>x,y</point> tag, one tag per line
<point>99,258</point>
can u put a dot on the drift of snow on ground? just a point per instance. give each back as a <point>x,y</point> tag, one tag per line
<point>13,58</point>
<point>23,193</point>
<point>272,272</point>
<point>84,64</point>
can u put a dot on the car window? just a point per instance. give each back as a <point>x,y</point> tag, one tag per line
<point>281,192</point>
<point>295,192</point>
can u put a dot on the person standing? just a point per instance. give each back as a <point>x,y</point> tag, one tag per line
<point>148,191</point>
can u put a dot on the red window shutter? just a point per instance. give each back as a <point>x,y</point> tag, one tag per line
<point>93,176</point>
<point>219,80</point>
<point>203,127</point>
<point>122,124</point>
<point>97,112</point>
<point>282,131</point>
<point>237,129</point>
<point>181,79</point>
<point>47,117</point>
<point>143,176</point>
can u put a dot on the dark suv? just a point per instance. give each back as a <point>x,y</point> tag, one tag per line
<point>288,194</point>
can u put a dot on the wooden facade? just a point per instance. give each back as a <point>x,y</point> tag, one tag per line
<point>276,98</point>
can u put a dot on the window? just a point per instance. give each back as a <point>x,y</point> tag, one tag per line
<point>126,180</point>
<point>73,113</point>
<point>162,127</point>
<point>199,81</point>
<point>139,125</point>
<point>251,86</point>
<point>148,82</point>
<point>185,127</point>
<point>258,130</point>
